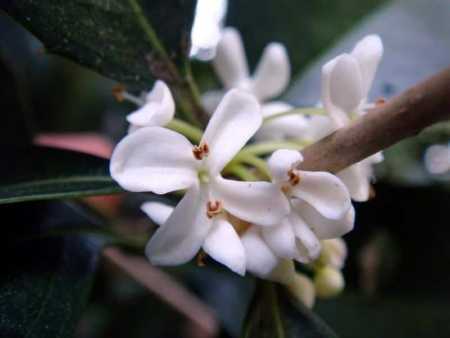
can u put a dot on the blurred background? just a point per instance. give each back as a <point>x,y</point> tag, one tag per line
<point>397,274</point>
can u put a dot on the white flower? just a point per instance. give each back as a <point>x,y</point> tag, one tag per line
<point>320,209</point>
<point>158,109</point>
<point>161,161</point>
<point>346,81</point>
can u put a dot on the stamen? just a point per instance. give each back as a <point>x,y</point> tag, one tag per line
<point>294,178</point>
<point>380,101</point>
<point>120,94</point>
<point>213,208</point>
<point>201,259</point>
<point>200,151</point>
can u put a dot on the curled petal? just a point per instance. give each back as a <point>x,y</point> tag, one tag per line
<point>308,244</point>
<point>261,203</point>
<point>357,180</point>
<point>158,212</point>
<point>281,239</point>
<point>281,162</point>
<point>346,87</point>
<point>323,227</point>
<point>158,110</point>
<point>230,62</point>
<point>368,52</point>
<point>154,159</point>
<point>272,73</point>
<point>224,245</point>
<point>324,191</point>
<point>260,260</point>
<point>184,232</point>
<point>234,122</point>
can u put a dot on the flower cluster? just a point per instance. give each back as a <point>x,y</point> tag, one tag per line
<point>251,223</point>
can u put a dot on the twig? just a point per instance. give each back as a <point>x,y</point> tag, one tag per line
<point>165,287</point>
<point>402,117</point>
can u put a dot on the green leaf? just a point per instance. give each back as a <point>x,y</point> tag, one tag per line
<point>117,38</point>
<point>45,282</point>
<point>46,173</point>
<point>275,314</point>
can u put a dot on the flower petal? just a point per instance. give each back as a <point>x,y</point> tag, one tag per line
<point>180,238</point>
<point>346,87</point>
<point>158,110</point>
<point>356,179</point>
<point>323,227</point>
<point>261,203</point>
<point>308,244</point>
<point>324,191</point>
<point>224,245</point>
<point>158,212</point>
<point>272,73</point>
<point>281,161</point>
<point>234,122</point>
<point>230,62</point>
<point>260,260</point>
<point>281,239</point>
<point>154,159</point>
<point>285,127</point>
<point>368,52</point>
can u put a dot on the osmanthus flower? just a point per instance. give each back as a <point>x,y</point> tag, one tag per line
<point>320,209</point>
<point>158,160</point>
<point>346,81</point>
<point>269,80</point>
<point>156,108</point>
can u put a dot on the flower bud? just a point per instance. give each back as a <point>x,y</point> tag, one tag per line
<point>302,288</point>
<point>334,253</point>
<point>329,282</point>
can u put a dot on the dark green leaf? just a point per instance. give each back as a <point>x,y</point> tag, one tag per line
<point>46,173</point>
<point>44,282</point>
<point>275,314</point>
<point>114,37</point>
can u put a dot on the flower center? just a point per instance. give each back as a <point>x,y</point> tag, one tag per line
<point>213,208</point>
<point>203,176</point>
<point>294,177</point>
<point>200,151</point>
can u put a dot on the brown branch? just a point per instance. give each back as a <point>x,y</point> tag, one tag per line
<point>401,117</point>
<point>166,288</point>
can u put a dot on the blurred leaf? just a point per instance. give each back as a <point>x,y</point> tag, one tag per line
<point>45,281</point>
<point>275,314</point>
<point>46,173</point>
<point>115,38</point>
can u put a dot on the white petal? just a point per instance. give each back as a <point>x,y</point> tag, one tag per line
<point>261,203</point>
<point>308,244</point>
<point>211,99</point>
<point>323,227</point>
<point>234,122</point>
<point>357,181</point>
<point>281,239</point>
<point>154,159</point>
<point>224,245</point>
<point>376,158</point>
<point>158,110</point>
<point>346,87</point>
<point>158,212</point>
<point>318,127</point>
<point>260,260</point>
<point>230,62</point>
<point>272,73</point>
<point>323,191</point>
<point>286,127</point>
<point>281,161</point>
<point>180,238</point>
<point>368,53</point>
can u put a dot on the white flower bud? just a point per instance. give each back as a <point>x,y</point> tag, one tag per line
<point>329,282</point>
<point>334,253</point>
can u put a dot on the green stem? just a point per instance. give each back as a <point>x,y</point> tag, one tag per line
<point>302,111</point>
<point>240,171</point>
<point>263,148</point>
<point>259,164</point>
<point>272,299</point>
<point>191,132</point>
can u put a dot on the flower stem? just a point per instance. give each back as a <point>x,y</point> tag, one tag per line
<point>241,172</point>
<point>259,164</point>
<point>191,132</point>
<point>296,111</point>
<point>264,148</point>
